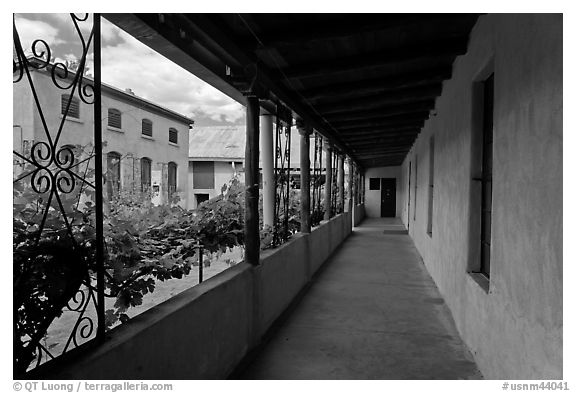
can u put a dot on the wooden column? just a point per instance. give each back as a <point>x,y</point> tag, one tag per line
<point>251,174</point>
<point>341,182</point>
<point>355,171</point>
<point>363,192</point>
<point>350,184</point>
<point>305,221</point>
<point>328,183</point>
<point>267,151</point>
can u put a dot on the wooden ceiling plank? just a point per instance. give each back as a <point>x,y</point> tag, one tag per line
<point>443,48</point>
<point>404,96</point>
<point>389,82</point>
<point>380,112</point>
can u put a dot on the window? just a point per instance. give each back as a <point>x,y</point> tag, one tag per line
<point>409,190</point>
<point>113,173</point>
<point>145,174</point>
<point>415,183</point>
<point>486,179</point>
<point>431,186</point>
<point>172,176</point>
<point>203,174</point>
<point>374,183</point>
<point>173,135</point>
<point>146,127</point>
<point>200,198</point>
<point>114,118</point>
<point>73,110</point>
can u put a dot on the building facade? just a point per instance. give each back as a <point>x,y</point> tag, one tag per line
<point>144,144</point>
<point>215,156</point>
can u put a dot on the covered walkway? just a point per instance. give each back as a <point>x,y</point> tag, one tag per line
<point>373,312</point>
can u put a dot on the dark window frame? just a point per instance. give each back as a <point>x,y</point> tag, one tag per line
<point>73,110</point>
<point>114,179</point>
<point>173,135</point>
<point>172,178</point>
<point>147,126</point>
<point>486,175</point>
<point>203,178</point>
<point>115,118</point>
<point>374,184</point>
<point>145,174</point>
<point>415,184</point>
<point>431,188</point>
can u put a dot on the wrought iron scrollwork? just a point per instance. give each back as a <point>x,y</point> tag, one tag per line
<point>334,182</point>
<point>282,182</point>
<point>56,262</point>
<point>317,180</point>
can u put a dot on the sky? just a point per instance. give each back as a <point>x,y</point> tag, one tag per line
<point>127,63</point>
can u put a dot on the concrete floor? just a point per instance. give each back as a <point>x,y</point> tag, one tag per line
<point>373,312</point>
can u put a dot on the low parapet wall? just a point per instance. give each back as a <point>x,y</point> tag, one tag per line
<point>205,331</point>
<point>359,214</point>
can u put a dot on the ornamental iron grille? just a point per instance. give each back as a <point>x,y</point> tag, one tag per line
<point>282,182</point>
<point>58,273</point>
<point>317,180</point>
<point>335,191</point>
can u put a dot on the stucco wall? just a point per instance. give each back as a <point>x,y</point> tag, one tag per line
<point>514,330</point>
<point>223,173</point>
<point>128,141</point>
<point>373,197</point>
<point>359,214</point>
<point>205,331</point>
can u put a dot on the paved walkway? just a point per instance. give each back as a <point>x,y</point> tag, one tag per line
<point>372,313</point>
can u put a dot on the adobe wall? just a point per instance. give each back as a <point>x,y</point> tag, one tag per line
<point>515,329</point>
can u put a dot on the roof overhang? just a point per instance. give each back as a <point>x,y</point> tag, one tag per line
<point>366,81</point>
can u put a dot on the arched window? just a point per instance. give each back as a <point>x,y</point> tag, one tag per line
<point>172,170</point>
<point>146,174</point>
<point>73,110</point>
<point>113,173</point>
<point>114,118</point>
<point>146,127</point>
<point>173,135</point>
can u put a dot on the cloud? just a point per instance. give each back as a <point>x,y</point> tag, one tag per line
<point>31,30</point>
<point>127,63</point>
<point>131,64</point>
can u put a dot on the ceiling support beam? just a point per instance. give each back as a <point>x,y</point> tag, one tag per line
<point>386,111</point>
<point>404,96</point>
<point>379,131</point>
<point>378,24</point>
<point>391,82</point>
<point>445,48</point>
<point>415,117</point>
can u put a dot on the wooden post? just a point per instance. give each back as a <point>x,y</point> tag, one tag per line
<point>350,184</point>
<point>341,182</point>
<point>363,189</point>
<point>305,221</point>
<point>268,154</point>
<point>328,183</point>
<point>251,174</point>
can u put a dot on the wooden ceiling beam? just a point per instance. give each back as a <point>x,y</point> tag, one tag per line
<point>415,117</point>
<point>380,112</point>
<point>404,96</point>
<point>401,141</point>
<point>355,26</point>
<point>379,131</point>
<point>443,48</point>
<point>382,124</point>
<point>391,82</point>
